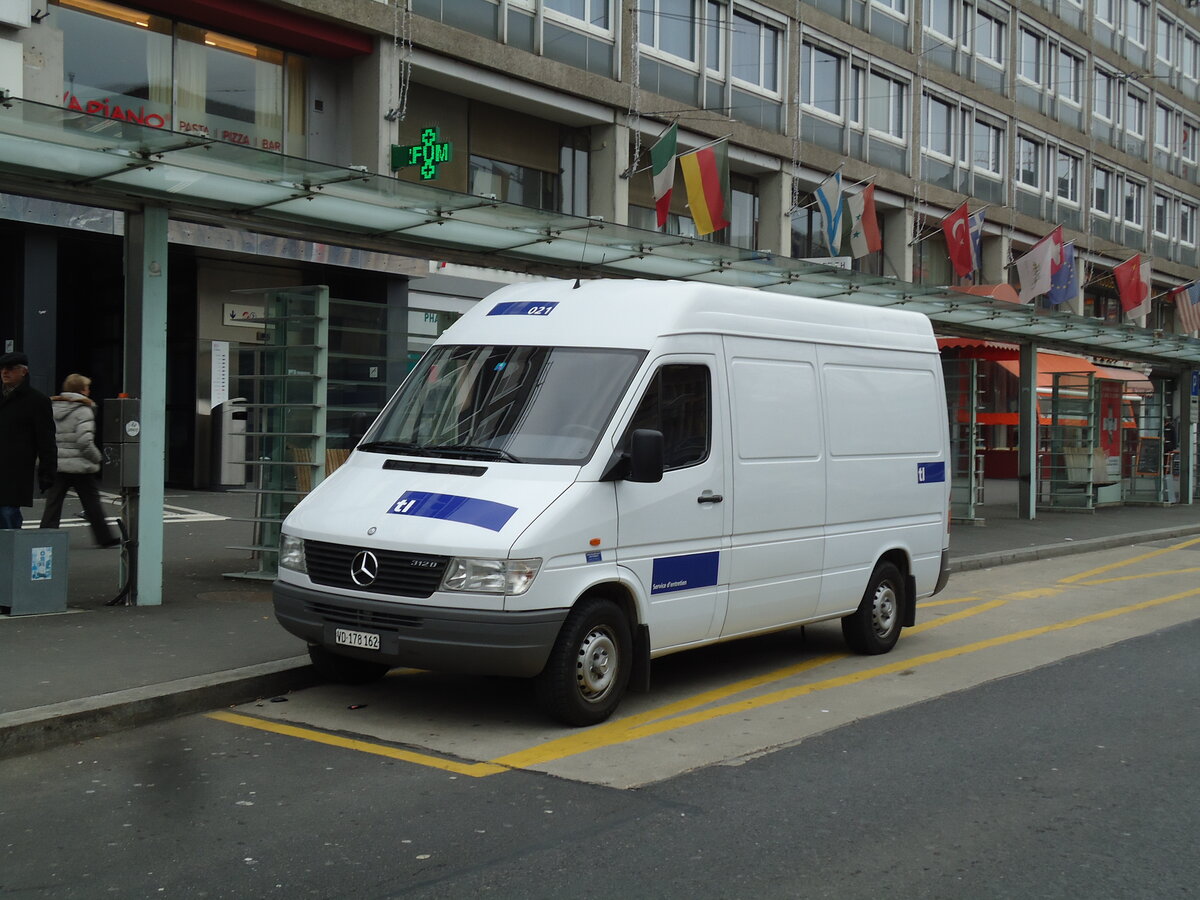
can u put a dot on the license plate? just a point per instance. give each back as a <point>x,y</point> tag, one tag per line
<point>364,640</point>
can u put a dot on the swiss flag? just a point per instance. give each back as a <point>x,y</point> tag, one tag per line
<point>958,241</point>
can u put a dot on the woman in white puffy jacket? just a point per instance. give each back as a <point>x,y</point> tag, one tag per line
<point>78,459</point>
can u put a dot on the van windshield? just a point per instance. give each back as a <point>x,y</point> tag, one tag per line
<point>517,404</point>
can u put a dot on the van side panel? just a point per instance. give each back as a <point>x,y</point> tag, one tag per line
<point>887,468</point>
<point>778,484</point>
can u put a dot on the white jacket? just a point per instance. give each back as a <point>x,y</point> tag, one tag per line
<point>75,426</point>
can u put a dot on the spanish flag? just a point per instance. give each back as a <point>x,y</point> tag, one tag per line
<point>706,176</point>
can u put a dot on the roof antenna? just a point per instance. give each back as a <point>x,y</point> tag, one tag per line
<point>583,254</point>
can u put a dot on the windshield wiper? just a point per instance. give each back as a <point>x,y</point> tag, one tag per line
<point>476,451</point>
<point>394,447</point>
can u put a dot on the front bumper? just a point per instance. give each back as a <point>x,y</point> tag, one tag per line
<point>424,637</point>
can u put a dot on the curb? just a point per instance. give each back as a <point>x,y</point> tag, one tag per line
<point>43,727</point>
<point>1066,548</point>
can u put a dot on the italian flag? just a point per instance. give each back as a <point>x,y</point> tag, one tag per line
<point>706,175</point>
<point>662,163</point>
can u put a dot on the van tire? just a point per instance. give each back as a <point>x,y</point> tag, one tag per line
<point>345,669</point>
<point>875,626</point>
<point>589,666</point>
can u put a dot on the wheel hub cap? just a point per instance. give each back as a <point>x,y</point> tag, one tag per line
<point>596,667</point>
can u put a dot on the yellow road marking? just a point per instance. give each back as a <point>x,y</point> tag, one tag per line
<point>1136,577</point>
<point>1117,565</point>
<point>555,750</point>
<point>672,716</point>
<point>1035,593</point>
<point>618,731</point>
<point>929,603</point>
<point>475,770</point>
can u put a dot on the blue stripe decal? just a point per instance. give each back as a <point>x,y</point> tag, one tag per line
<point>522,308</point>
<point>467,510</point>
<point>928,473</point>
<point>683,573</point>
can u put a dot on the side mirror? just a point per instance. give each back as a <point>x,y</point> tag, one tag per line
<point>646,456</point>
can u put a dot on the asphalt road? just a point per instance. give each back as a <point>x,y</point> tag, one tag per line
<point>1076,779</point>
<point>1038,738</point>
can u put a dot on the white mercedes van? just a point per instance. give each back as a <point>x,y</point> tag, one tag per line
<point>580,477</point>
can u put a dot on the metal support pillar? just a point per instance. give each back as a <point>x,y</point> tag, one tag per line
<point>1189,401</point>
<point>1027,435</point>
<point>146,352</point>
<point>40,291</point>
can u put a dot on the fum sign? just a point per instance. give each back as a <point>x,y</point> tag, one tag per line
<point>429,154</point>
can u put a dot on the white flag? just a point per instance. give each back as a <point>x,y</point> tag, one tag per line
<point>1035,269</point>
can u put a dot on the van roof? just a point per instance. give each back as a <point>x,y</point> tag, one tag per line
<point>634,313</point>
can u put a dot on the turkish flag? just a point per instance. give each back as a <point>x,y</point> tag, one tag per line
<point>958,241</point>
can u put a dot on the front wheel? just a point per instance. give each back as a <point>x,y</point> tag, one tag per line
<point>344,669</point>
<point>589,667</point>
<point>875,626</point>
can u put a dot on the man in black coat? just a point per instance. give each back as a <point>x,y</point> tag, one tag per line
<point>26,437</point>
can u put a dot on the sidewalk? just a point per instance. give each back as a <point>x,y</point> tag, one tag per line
<point>214,640</point>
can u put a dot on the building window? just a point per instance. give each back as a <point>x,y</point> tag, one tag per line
<point>1164,134</point>
<point>125,64</point>
<point>1135,22</point>
<point>668,26</point>
<point>1190,62</point>
<point>510,183</point>
<point>886,105</point>
<point>939,127</point>
<point>898,8</point>
<point>821,80</point>
<point>1105,96</point>
<point>1135,115</point>
<point>1067,176</point>
<point>1135,203</point>
<point>1106,12</point>
<point>942,17</point>
<point>1189,134</point>
<point>1070,77</point>
<point>714,29</point>
<point>1187,223</point>
<point>1162,215</point>
<point>987,153</point>
<point>1029,163</point>
<point>1029,62</point>
<point>1102,192</point>
<point>755,52</point>
<point>1164,43</point>
<point>593,12</point>
<point>989,39</point>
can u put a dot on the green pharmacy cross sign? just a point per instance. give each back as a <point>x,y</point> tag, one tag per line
<point>429,154</point>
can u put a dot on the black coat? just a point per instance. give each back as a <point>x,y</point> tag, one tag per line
<point>26,437</point>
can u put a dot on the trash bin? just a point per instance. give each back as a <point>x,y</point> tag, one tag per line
<point>33,571</point>
<point>227,460</point>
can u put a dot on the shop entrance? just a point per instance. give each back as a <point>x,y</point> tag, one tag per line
<point>963,402</point>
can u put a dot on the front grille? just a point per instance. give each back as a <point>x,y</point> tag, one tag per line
<point>333,614</point>
<point>400,574</point>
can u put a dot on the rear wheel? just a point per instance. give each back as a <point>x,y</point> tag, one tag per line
<point>875,626</point>
<point>345,669</point>
<point>589,667</point>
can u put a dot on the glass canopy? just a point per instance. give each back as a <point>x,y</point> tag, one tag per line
<point>53,149</point>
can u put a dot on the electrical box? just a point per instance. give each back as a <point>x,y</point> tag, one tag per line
<point>33,570</point>
<point>122,428</point>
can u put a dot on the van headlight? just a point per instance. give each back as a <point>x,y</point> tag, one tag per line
<point>291,553</point>
<point>490,576</point>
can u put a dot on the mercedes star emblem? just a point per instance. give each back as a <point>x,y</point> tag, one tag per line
<point>364,569</point>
